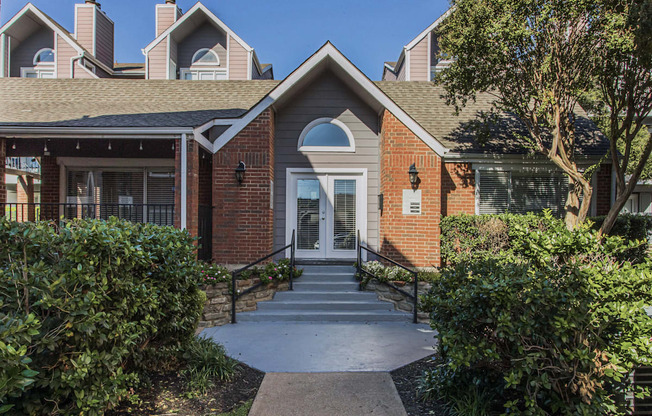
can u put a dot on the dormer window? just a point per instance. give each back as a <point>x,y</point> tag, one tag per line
<point>44,56</point>
<point>43,65</point>
<point>205,56</point>
<point>326,135</point>
<point>204,66</point>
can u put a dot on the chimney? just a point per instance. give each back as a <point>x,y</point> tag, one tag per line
<point>94,31</point>
<point>166,15</point>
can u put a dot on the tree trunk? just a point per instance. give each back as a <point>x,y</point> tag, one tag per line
<point>576,211</point>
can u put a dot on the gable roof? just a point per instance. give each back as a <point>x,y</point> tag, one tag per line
<point>48,21</point>
<point>110,103</point>
<point>328,54</point>
<point>197,8</point>
<point>464,133</point>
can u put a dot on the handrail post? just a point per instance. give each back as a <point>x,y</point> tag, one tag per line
<point>359,261</point>
<point>415,318</point>
<point>233,295</point>
<point>292,262</point>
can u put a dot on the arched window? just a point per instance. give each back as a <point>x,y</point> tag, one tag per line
<point>326,135</point>
<point>44,56</point>
<point>205,56</point>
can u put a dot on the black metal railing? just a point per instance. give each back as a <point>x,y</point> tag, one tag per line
<point>24,164</point>
<point>160,214</point>
<point>235,294</point>
<point>361,271</point>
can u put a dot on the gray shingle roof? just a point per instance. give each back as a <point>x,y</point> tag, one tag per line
<point>463,133</point>
<point>125,103</point>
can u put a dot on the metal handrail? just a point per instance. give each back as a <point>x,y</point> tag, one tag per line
<point>234,275</point>
<point>414,296</point>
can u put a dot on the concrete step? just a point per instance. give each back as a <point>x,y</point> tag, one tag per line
<point>323,306</point>
<point>333,277</point>
<point>320,286</point>
<point>323,316</point>
<point>329,296</point>
<point>327,269</point>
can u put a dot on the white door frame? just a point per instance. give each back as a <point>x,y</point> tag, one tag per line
<point>291,195</point>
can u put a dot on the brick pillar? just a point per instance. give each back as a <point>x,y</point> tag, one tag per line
<point>25,195</point>
<point>192,184</point>
<point>410,239</point>
<point>3,185</point>
<point>243,220</point>
<point>50,189</point>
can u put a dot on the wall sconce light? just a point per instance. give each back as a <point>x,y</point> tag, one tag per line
<point>240,172</point>
<point>414,174</point>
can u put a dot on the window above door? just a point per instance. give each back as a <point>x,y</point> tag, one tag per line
<point>326,135</point>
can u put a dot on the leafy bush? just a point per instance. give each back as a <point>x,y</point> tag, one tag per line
<point>273,271</point>
<point>85,307</point>
<point>555,319</point>
<point>471,237</point>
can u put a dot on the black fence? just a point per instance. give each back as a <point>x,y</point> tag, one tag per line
<point>159,214</point>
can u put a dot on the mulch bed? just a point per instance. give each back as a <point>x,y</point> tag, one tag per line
<point>165,395</point>
<point>405,379</point>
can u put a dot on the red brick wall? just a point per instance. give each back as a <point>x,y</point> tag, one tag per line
<point>458,189</point>
<point>409,239</point>
<point>192,184</point>
<point>3,185</point>
<point>603,190</point>
<point>50,188</point>
<point>242,218</point>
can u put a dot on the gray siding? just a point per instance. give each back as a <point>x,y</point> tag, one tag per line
<point>420,61</point>
<point>104,39</point>
<point>174,57</point>
<point>400,72</point>
<point>326,97</point>
<point>238,60</point>
<point>206,36</point>
<point>23,53</point>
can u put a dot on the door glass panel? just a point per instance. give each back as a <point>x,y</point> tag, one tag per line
<point>308,191</point>
<point>344,210</point>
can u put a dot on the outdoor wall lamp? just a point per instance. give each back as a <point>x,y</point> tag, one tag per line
<point>414,174</point>
<point>240,171</point>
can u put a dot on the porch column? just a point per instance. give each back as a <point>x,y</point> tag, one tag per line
<point>3,185</point>
<point>25,195</point>
<point>50,208</point>
<point>186,194</point>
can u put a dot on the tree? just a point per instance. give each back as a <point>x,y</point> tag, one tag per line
<point>538,58</point>
<point>624,81</point>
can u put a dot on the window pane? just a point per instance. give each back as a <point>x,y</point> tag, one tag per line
<point>494,192</point>
<point>205,56</point>
<point>326,134</point>
<point>536,192</point>
<point>46,56</point>
<point>344,210</point>
<point>308,191</point>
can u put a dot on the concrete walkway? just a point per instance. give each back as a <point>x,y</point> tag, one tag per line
<point>324,347</point>
<point>331,394</point>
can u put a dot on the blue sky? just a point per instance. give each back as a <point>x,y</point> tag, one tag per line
<point>283,32</point>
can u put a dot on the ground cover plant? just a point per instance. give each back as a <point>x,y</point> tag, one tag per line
<point>88,308</point>
<point>271,272</point>
<point>541,321</point>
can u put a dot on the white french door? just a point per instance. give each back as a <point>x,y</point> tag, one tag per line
<point>326,210</point>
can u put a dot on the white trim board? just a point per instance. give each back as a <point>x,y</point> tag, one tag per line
<point>336,149</point>
<point>429,29</point>
<point>328,51</point>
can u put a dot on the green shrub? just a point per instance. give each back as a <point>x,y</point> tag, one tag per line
<point>270,272</point>
<point>85,307</point>
<point>471,237</point>
<point>556,317</point>
<point>205,361</point>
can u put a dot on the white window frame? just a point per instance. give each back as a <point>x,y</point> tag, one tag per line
<point>212,52</point>
<point>39,71</point>
<point>335,149</point>
<point>90,66</point>
<point>40,51</point>
<point>219,72</point>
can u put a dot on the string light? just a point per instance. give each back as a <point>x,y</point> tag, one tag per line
<point>45,148</point>
<point>77,147</point>
<point>141,145</point>
<point>110,145</point>
<point>13,146</point>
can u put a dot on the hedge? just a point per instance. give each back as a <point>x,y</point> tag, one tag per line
<point>465,237</point>
<point>86,307</point>
<point>551,323</point>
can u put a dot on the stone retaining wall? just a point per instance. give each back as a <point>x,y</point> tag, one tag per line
<point>217,311</point>
<point>400,301</point>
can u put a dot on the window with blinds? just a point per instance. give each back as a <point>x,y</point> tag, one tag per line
<point>521,192</point>
<point>344,211</point>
